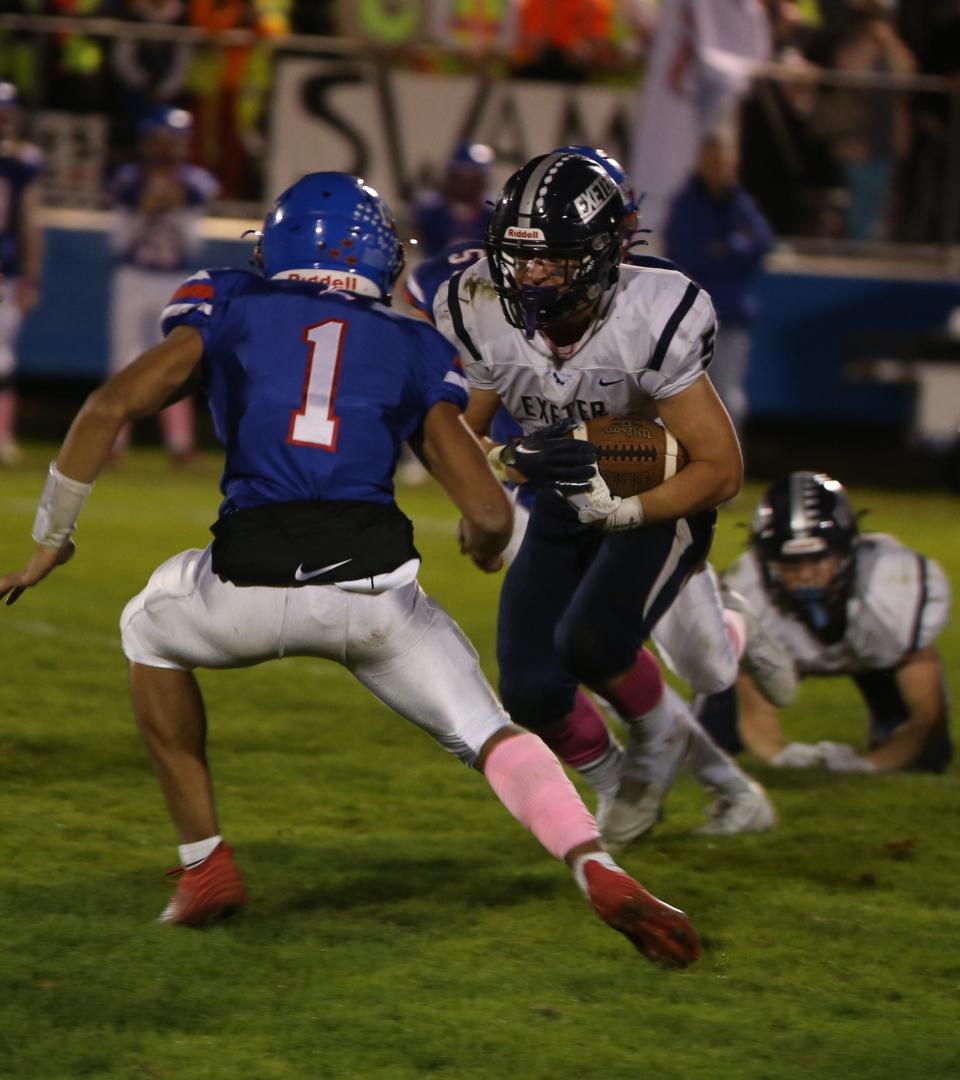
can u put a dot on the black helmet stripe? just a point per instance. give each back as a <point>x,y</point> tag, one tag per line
<point>528,197</point>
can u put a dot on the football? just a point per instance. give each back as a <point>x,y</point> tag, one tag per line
<point>635,454</point>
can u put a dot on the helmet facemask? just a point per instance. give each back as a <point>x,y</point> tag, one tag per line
<point>561,212</point>
<point>565,279</point>
<point>804,520</point>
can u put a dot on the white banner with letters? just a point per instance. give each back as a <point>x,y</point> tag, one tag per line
<point>397,129</point>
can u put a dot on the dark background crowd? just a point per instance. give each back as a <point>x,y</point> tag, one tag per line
<point>817,156</point>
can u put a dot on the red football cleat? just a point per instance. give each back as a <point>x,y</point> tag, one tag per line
<point>662,933</point>
<point>212,890</point>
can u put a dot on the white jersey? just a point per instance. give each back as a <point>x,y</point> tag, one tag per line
<point>899,603</point>
<point>654,340</point>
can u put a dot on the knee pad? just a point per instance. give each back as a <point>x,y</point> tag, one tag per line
<point>641,690</point>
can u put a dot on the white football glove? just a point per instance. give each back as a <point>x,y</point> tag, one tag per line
<point>843,758</point>
<point>799,755</point>
<point>597,506</point>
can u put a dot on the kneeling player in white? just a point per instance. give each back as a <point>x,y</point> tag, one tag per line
<point>314,389</point>
<point>841,602</point>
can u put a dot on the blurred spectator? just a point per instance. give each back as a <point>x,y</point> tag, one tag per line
<point>159,203</point>
<point>76,69</point>
<point>148,71</point>
<point>701,64</point>
<point>231,84</point>
<point>460,209</point>
<point>785,163</point>
<point>717,236</point>
<point>21,254</point>
<point>478,29</point>
<point>869,128</point>
<point>313,17</point>
<point>562,39</point>
<point>931,208</point>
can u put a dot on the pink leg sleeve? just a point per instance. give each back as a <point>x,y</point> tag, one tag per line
<point>176,422</point>
<point>532,785</point>
<point>641,689</point>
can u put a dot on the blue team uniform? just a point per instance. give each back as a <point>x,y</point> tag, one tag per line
<point>313,391</point>
<point>17,171</point>
<point>166,241</point>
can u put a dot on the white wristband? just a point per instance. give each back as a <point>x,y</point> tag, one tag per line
<point>628,515</point>
<point>61,501</point>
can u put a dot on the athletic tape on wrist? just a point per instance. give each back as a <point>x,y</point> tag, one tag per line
<point>61,501</point>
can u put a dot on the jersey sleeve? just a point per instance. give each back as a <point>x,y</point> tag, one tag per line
<point>684,347</point>
<point>454,317</point>
<point>439,369</point>
<point>909,596</point>
<point>194,304</point>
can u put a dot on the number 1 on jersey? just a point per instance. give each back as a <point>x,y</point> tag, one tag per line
<point>316,424</point>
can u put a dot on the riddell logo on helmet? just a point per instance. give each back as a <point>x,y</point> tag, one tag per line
<point>515,232</point>
<point>348,282</point>
<point>593,200</point>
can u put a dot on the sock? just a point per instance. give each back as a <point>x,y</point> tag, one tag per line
<point>587,745</point>
<point>193,854</point>
<point>176,421</point>
<point>531,784</point>
<point>654,755</point>
<point>640,690</point>
<point>736,631</point>
<point>602,857</point>
<point>709,765</point>
<point>603,775</point>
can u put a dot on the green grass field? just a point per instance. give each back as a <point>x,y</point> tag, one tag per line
<point>400,924</point>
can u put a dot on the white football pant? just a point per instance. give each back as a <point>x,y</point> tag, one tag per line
<point>399,643</point>
<point>10,319</point>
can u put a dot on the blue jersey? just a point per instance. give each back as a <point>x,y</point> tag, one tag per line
<point>20,165</point>
<point>167,240</point>
<point>424,281</point>
<point>312,390</point>
<point>441,224</point>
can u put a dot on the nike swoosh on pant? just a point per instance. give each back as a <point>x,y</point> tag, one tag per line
<point>305,575</point>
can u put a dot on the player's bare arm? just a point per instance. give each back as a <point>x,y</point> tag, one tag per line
<point>455,458</point>
<point>696,416</point>
<point>139,390</point>
<point>921,683</point>
<point>758,722</point>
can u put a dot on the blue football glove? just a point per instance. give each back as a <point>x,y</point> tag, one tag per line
<point>551,458</point>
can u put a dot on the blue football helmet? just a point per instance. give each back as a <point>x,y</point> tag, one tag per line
<point>334,222</point>
<point>618,174</point>
<point>164,118</point>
